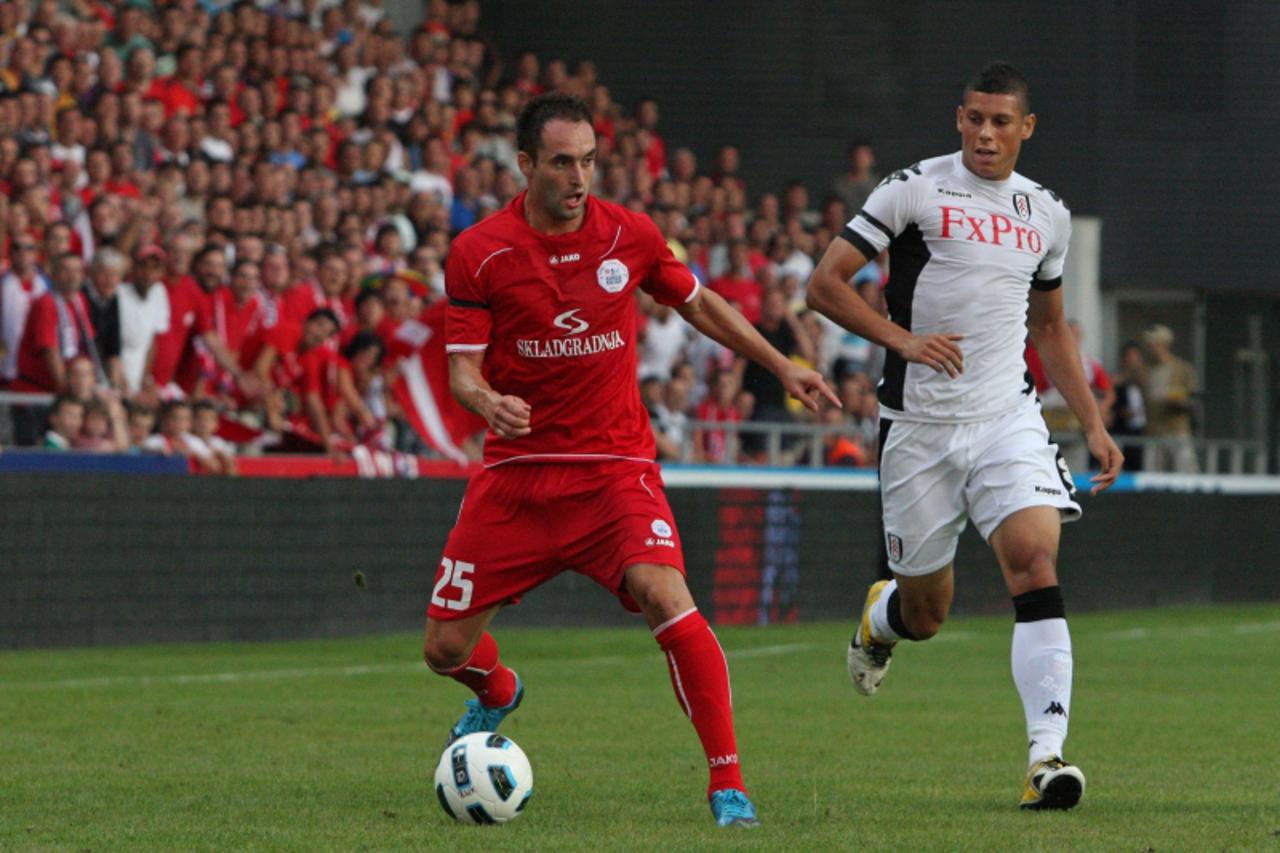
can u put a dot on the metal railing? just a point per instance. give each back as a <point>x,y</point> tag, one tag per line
<point>792,444</point>
<point>1192,455</point>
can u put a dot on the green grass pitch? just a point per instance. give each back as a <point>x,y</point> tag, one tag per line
<point>331,744</point>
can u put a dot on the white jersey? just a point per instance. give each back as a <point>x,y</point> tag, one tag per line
<point>963,255</point>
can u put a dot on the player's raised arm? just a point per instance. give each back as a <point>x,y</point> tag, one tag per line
<point>508,416</point>
<point>1051,334</point>
<point>830,294</point>
<point>710,314</point>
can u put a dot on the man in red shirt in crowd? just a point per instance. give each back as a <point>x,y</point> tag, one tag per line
<point>329,291</point>
<point>57,331</point>
<point>293,357</point>
<point>542,342</point>
<point>177,366</point>
<point>738,285</point>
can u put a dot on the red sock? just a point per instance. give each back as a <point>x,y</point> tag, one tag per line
<point>700,676</point>
<point>483,673</point>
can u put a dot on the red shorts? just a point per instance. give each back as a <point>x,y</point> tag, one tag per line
<point>521,524</point>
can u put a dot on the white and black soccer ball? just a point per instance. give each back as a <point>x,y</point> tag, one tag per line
<point>483,778</point>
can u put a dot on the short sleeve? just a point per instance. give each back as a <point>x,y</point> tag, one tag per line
<point>44,324</point>
<point>1055,259</point>
<point>891,207</point>
<point>313,364</point>
<point>669,281</point>
<point>202,303</point>
<point>468,319</point>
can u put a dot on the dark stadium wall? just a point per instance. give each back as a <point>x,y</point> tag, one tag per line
<point>94,559</point>
<point>1158,118</point>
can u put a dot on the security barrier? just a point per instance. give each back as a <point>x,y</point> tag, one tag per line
<point>98,558</point>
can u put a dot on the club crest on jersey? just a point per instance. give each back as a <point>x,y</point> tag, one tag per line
<point>1022,205</point>
<point>613,275</point>
<point>895,547</point>
<point>660,527</point>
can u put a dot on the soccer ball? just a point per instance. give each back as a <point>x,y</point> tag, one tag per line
<point>483,778</point>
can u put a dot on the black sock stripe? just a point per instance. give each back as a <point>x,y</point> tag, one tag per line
<point>893,609</point>
<point>1039,604</point>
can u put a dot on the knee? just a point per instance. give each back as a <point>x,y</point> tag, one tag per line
<point>660,602</point>
<point>443,653</point>
<point>1035,570</point>
<point>660,592</point>
<point>925,620</point>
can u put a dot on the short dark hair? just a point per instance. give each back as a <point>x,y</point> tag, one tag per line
<point>365,295</point>
<point>63,400</point>
<point>1001,78</point>
<point>363,341</point>
<point>325,314</point>
<point>545,108</point>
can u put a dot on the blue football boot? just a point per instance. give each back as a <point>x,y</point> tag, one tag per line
<point>732,808</point>
<point>478,718</point>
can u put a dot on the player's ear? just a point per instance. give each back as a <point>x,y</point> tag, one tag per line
<point>960,118</point>
<point>1028,125</point>
<point>526,164</point>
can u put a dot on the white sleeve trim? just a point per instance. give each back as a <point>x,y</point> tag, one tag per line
<point>466,347</point>
<point>697,285</point>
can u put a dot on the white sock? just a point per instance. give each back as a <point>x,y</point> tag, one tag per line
<point>880,626</point>
<point>1042,664</point>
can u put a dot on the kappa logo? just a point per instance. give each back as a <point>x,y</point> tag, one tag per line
<point>613,275</point>
<point>1055,708</point>
<point>1022,205</point>
<point>574,325</point>
<point>564,259</point>
<point>895,547</point>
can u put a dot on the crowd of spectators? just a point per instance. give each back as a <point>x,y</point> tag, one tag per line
<point>226,214</point>
<point>222,222</point>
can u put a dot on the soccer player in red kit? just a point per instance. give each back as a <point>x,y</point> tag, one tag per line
<point>542,343</point>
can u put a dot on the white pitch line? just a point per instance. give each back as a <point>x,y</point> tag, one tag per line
<point>1130,634</point>
<point>1256,627</point>
<point>224,677</point>
<point>335,671</point>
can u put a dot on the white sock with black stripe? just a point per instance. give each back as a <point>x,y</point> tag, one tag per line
<point>1042,669</point>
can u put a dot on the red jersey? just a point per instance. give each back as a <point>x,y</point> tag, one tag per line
<point>745,293</point>
<point>189,317</point>
<point>235,323</point>
<point>305,297</point>
<point>554,317</point>
<point>320,370</point>
<point>54,322</point>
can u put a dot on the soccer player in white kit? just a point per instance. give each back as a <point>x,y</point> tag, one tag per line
<point>975,266</point>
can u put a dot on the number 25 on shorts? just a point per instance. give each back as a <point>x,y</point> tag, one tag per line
<point>454,575</point>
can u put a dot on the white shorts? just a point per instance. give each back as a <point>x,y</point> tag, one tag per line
<point>934,478</point>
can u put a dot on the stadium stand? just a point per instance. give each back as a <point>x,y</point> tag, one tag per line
<point>248,207</point>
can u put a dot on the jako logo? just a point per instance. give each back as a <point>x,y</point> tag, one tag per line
<point>723,760</point>
<point>575,325</point>
<point>564,259</point>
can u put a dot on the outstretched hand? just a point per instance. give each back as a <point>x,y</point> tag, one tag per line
<point>806,385</point>
<point>1110,459</point>
<point>941,352</point>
